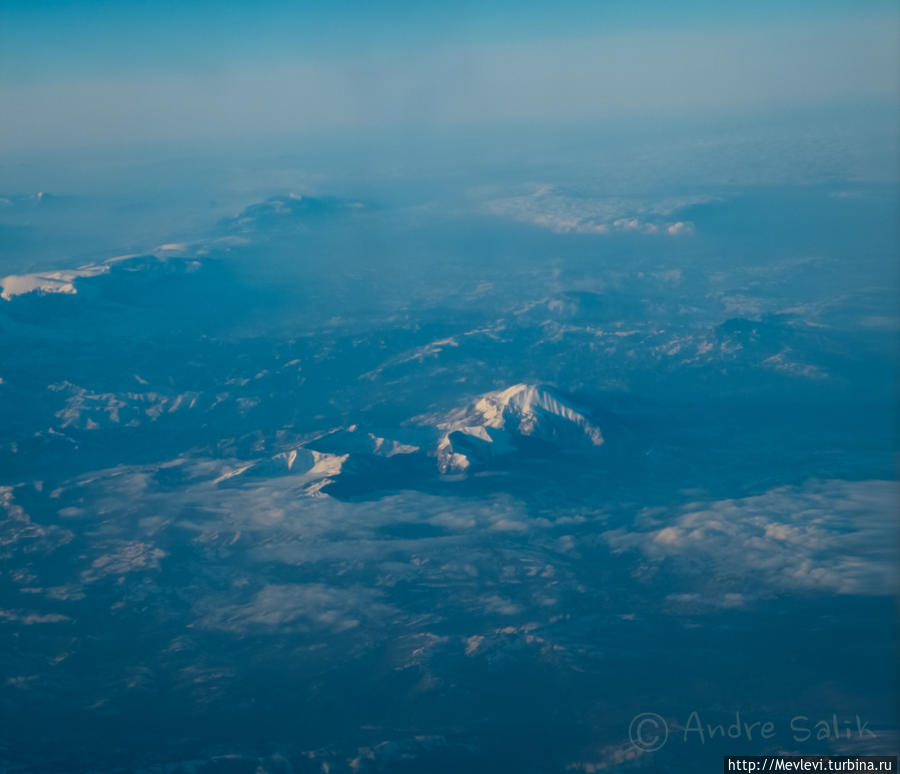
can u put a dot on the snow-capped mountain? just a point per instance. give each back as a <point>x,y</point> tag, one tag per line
<point>312,470</point>
<point>499,422</point>
<point>519,418</point>
<point>353,440</point>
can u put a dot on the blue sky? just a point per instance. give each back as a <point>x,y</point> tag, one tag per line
<point>98,72</point>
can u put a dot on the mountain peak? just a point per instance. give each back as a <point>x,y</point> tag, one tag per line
<point>498,422</point>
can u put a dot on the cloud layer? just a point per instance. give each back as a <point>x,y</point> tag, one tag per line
<point>831,536</point>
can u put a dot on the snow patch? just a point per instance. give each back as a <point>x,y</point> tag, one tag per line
<point>47,282</point>
<point>489,427</point>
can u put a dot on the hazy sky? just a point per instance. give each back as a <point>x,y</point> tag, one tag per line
<point>93,73</point>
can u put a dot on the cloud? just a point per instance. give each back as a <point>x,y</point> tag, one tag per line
<point>785,362</point>
<point>830,536</point>
<point>307,607</point>
<point>128,556</point>
<point>493,603</point>
<point>31,618</point>
<point>20,535</point>
<point>680,227</point>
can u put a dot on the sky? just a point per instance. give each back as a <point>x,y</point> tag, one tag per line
<point>102,73</point>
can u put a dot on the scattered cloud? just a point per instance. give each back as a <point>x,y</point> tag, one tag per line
<point>128,556</point>
<point>29,618</point>
<point>307,607</point>
<point>832,536</point>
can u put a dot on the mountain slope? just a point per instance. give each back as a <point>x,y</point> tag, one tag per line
<point>500,422</point>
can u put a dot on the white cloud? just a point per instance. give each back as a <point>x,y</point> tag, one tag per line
<point>128,556</point>
<point>493,603</point>
<point>680,227</point>
<point>306,607</point>
<point>834,536</point>
<point>18,533</point>
<point>30,618</point>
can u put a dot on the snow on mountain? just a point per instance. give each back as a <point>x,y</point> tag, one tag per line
<point>352,440</point>
<point>313,470</point>
<point>66,280</point>
<point>497,423</point>
<point>62,281</point>
<point>279,212</point>
<point>521,418</point>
